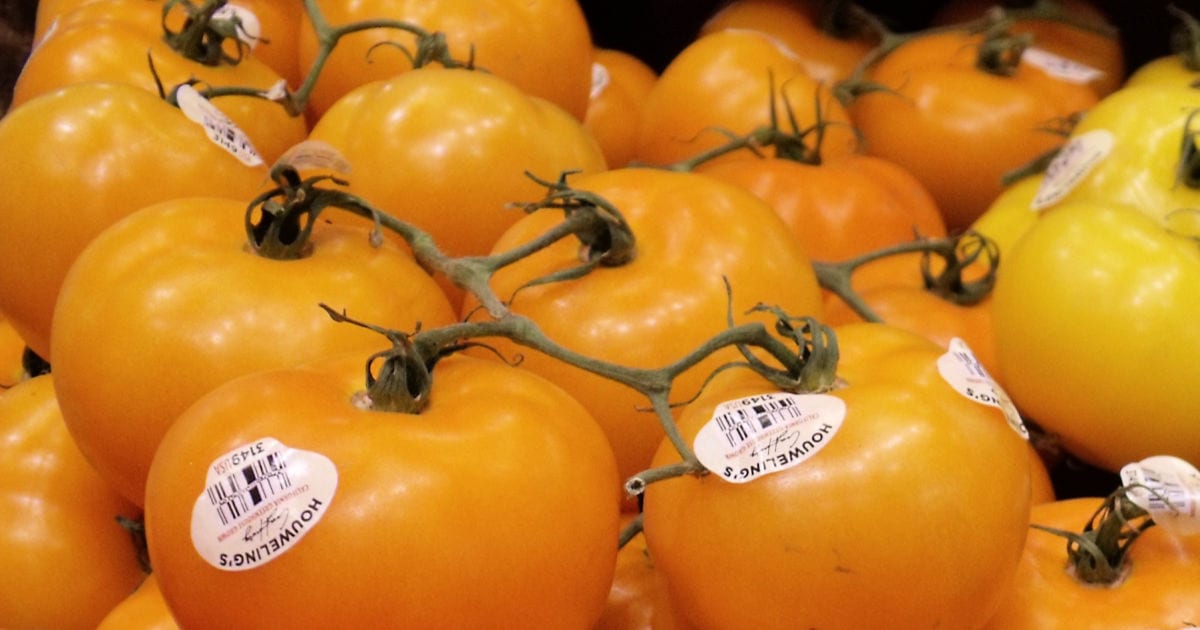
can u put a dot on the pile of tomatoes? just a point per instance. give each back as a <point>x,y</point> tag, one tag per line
<point>437,314</point>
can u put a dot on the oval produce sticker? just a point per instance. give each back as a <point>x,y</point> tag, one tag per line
<point>258,502</point>
<point>959,367</point>
<point>760,435</point>
<point>1071,165</point>
<point>220,129</point>
<point>1169,489</point>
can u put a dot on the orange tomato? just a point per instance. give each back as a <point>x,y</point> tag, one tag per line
<point>1084,47</point>
<point>957,127</point>
<point>175,284</point>
<point>879,528</point>
<point>111,41</point>
<point>620,83</point>
<point>542,46</point>
<point>1159,586</point>
<point>796,25</point>
<point>276,24</point>
<point>842,207</point>
<point>448,150</point>
<point>721,83</point>
<point>67,561</point>
<point>495,506</point>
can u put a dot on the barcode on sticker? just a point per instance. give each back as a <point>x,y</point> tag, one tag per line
<point>247,488</point>
<point>737,425</point>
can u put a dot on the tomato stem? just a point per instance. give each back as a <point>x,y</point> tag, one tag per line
<point>1096,555</point>
<point>203,35</point>
<point>958,253</point>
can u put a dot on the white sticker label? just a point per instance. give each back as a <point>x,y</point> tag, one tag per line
<point>759,435</point>
<point>220,129</point>
<point>967,376</point>
<point>600,79</point>
<point>1073,162</point>
<point>1169,489</point>
<point>250,31</point>
<point>1060,67</point>
<point>258,502</point>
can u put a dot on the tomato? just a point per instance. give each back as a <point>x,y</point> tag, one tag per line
<point>114,46</point>
<point>67,560</point>
<point>1072,38</point>
<point>145,609</point>
<point>722,83</point>
<point>495,506</point>
<point>939,98</point>
<point>542,46</point>
<point>801,27</point>
<point>638,599</point>
<point>448,150</point>
<point>1158,588</point>
<point>175,285</point>
<point>842,207</point>
<point>271,26</point>
<point>75,161</point>
<point>1133,148</point>
<point>870,531</point>
<point>1093,313</point>
<point>661,305</point>
<point>620,83</point>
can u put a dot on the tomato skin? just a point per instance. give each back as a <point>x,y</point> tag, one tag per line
<point>75,161</point>
<point>542,46</point>
<point>849,525</point>
<point>57,518</point>
<point>840,208</point>
<point>940,99</point>
<point>793,24</point>
<point>430,506</point>
<point>722,82</point>
<point>1159,591</point>
<point>174,284</point>
<point>115,49</point>
<point>145,609</point>
<point>1091,295</point>
<point>665,302</point>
